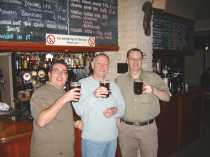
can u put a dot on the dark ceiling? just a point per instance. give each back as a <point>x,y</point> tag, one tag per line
<point>201,9</point>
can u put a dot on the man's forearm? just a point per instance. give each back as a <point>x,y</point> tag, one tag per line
<point>162,95</point>
<point>49,113</point>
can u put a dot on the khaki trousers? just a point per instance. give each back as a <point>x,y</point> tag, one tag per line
<point>138,141</point>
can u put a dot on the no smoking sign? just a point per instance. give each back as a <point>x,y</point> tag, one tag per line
<point>69,40</point>
<point>50,39</point>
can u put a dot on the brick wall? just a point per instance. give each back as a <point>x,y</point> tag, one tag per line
<point>130,35</point>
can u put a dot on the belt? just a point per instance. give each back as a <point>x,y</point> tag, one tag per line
<point>138,123</point>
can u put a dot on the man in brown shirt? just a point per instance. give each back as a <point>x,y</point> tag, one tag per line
<point>138,130</point>
<point>53,133</point>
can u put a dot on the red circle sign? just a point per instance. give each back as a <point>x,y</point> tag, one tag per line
<point>50,39</point>
<point>91,41</point>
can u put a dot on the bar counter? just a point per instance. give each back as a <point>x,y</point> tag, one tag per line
<point>12,130</point>
<point>179,122</point>
<point>15,138</point>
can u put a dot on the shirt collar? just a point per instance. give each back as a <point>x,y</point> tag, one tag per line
<point>140,77</point>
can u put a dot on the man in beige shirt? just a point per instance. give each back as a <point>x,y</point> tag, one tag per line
<point>53,132</point>
<point>138,130</point>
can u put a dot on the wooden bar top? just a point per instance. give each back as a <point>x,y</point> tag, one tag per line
<point>11,130</point>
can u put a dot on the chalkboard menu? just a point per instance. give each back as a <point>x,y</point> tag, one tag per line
<point>171,32</point>
<point>26,20</point>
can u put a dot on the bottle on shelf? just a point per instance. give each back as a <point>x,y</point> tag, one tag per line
<point>165,74</point>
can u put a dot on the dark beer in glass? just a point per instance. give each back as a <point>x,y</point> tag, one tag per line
<point>75,85</point>
<point>138,87</point>
<point>106,84</point>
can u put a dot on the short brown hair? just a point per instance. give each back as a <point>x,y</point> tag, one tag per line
<point>135,49</point>
<point>57,61</point>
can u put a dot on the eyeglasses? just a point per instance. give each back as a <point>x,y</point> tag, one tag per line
<point>57,71</point>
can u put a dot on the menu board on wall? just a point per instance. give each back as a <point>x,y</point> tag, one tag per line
<point>171,32</point>
<point>26,20</point>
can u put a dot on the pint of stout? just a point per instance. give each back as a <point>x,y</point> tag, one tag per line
<point>106,84</point>
<point>75,85</point>
<point>138,87</point>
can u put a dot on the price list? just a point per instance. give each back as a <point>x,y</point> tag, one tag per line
<point>94,18</point>
<point>30,20</point>
<point>171,32</point>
